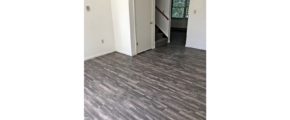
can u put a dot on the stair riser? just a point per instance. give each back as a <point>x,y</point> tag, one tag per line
<point>158,36</point>
<point>161,42</point>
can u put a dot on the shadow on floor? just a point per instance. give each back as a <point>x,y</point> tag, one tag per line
<point>178,37</point>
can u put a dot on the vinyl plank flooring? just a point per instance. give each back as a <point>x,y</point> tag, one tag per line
<point>167,83</point>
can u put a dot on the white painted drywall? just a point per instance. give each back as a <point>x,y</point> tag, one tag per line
<point>196,29</point>
<point>98,27</point>
<point>113,22</point>
<point>162,23</point>
<point>121,25</point>
<point>165,6</point>
<point>160,20</point>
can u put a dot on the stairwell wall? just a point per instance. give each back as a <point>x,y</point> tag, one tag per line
<point>196,30</point>
<point>98,32</point>
<point>122,27</point>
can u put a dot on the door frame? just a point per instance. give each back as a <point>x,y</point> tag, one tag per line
<point>133,26</point>
<point>153,24</point>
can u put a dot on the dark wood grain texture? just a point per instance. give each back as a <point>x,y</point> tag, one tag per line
<point>167,83</point>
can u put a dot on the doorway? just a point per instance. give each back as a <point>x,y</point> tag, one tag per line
<point>144,25</point>
<point>179,20</point>
<point>171,22</point>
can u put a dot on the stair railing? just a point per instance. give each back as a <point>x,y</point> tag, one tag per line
<point>162,13</point>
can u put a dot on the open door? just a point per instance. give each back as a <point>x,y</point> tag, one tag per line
<point>144,24</point>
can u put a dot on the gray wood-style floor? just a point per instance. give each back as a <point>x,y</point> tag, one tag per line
<point>167,83</point>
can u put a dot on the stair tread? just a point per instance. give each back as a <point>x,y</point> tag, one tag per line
<point>161,40</point>
<point>159,36</point>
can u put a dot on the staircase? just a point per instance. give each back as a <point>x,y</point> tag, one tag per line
<point>160,38</point>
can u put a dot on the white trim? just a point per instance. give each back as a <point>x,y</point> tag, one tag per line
<point>99,54</point>
<point>133,31</point>
<point>199,48</point>
<point>170,15</point>
<point>153,24</point>
<point>133,27</point>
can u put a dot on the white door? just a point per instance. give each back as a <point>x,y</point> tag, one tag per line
<point>144,24</point>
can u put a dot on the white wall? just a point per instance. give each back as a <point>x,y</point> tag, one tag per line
<point>165,6</point>
<point>121,25</point>
<point>162,22</point>
<point>196,29</point>
<point>98,27</point>
<point>114,24</point>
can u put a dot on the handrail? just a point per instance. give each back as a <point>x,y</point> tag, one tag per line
<point>162,13</point>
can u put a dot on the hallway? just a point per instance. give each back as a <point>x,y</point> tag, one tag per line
<point>178,37</point>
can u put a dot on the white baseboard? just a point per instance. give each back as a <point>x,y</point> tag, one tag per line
<point>99,54</point>
<point>195,47</point>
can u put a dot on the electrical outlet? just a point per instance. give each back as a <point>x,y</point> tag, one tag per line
<point>102,41</point>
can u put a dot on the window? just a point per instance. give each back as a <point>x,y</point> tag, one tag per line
<point>180,8</point>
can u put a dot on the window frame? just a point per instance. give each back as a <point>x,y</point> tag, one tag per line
<point>184,8</point>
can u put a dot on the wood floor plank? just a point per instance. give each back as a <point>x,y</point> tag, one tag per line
<point>167,83</point>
